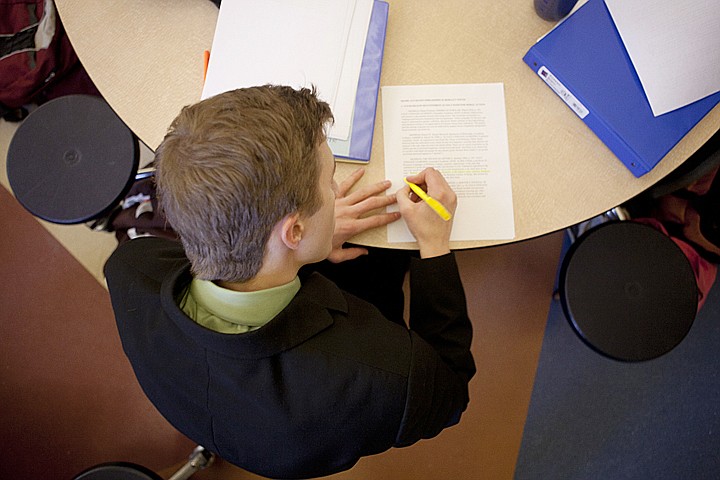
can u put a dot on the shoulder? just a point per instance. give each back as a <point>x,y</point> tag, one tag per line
<point>359,332</point>
<point>149,256</point>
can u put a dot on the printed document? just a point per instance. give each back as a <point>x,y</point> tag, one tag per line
<point>674,47</point>
<point>460,130</point>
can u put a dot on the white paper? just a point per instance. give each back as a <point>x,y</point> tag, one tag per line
<point>344,101</point>
<point>674,46</point>
<point>283,42</point>
<point>461,130</point>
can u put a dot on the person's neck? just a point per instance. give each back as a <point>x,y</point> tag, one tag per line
<point>259,282</point>
<point>280,266</point>
<point>273,273</point>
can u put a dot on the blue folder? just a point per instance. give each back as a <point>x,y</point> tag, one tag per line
<point>585,62</point>
<point>358,146</point>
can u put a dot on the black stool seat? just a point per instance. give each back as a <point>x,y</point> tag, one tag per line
<point>628,290</point>
<point>72,160</point>
<point>118,471</point>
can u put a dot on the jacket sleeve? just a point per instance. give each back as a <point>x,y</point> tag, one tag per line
<point>441,363</point>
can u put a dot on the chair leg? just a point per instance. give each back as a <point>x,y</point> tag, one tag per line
<point>199,459</point>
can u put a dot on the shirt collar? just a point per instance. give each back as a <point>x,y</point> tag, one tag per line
<point>251,309</point>
<point>309,312</point>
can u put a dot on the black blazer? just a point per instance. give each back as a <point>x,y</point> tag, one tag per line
<point>325,382</point>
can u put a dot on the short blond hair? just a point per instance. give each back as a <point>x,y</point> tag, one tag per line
<point>232,166</point>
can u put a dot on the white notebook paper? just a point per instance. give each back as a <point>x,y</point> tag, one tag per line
<point>674,47</point>
<point>287,42</point>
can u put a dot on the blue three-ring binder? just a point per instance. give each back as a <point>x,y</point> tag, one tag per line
<point>585,62</point>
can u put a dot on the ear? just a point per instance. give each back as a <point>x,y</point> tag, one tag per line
<point>291,231</point>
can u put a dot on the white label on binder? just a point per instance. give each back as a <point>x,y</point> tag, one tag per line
<point>563,92</point>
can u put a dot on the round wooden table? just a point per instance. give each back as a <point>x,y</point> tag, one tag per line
<point>146,58</point>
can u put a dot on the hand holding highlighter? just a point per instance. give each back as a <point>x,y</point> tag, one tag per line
<point>438,207</point>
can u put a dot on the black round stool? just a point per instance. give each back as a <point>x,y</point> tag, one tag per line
<point>118,471</point>
<point>628,291</point>
<point>72,160</point>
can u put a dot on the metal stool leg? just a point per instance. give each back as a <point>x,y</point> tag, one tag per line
<point>199,460</point>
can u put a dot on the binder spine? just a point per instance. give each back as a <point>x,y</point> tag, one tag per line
<point>574,102</point>
<point>358,147</point>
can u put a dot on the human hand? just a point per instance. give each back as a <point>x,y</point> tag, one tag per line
<point>431,232</point>
<point>350,211</point>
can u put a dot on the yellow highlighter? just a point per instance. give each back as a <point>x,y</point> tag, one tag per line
<point>434,204</point>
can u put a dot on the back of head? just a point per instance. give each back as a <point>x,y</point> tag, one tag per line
<point>234,165</point>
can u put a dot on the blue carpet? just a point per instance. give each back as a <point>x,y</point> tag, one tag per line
<point>595,418</point>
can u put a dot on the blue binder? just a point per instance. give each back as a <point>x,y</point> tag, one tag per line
<point>357,148</point>
<point>585,62</point>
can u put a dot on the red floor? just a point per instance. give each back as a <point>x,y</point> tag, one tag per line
<point>70,399</point>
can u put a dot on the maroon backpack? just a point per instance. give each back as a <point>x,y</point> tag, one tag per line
<point>37,61</point>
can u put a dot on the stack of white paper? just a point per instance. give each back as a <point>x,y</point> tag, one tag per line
<point>296,43</point>
<point>674,47</point>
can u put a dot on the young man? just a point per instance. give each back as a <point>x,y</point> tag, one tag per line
<point>283,376</point>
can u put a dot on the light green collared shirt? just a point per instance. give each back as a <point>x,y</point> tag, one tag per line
<point>228,311</point>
